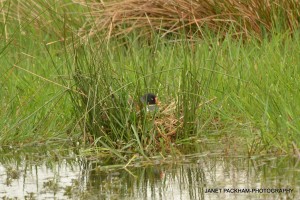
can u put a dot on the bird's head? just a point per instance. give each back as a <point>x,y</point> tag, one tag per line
<point>151,101</point>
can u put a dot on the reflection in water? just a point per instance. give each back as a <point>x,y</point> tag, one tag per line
<point>38,175</point>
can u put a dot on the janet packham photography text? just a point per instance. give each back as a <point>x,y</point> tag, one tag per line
<point>248,190</point>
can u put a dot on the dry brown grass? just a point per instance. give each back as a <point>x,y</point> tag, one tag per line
<point>173,16</point>
<point>120,17</point>
<point>168,124</point>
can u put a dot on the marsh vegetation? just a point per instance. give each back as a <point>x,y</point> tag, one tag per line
<point>226,71</point>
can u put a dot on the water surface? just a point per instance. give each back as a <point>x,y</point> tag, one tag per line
<point>47,174</point>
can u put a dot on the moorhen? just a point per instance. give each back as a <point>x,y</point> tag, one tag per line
<point>151,101</point>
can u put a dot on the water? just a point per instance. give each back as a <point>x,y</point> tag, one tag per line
<point>49,174</point>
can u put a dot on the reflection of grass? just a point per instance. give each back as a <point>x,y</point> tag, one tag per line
<point>31,196</point>
<point>11,174</point>
<point>72,189</point>
<point>51,185</point>
<point>215,87</point>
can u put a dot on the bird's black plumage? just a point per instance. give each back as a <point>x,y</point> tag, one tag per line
<point>149,99</point>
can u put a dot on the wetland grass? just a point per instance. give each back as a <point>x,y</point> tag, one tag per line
<point>223,73</point>
<point>229,89</point>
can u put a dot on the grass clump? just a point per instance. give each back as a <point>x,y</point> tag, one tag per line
<point>248,18</point>
<point>209,89</point>
<point>108,108</point>
<point>227,89</point>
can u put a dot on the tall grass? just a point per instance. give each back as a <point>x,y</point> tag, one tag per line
<point>211,81</point>
<point>110,110</point>
<point>226,89</point>
<point>30,99</point>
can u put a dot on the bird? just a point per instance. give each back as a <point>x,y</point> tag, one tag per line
<point>148,100</point>
<point>151,102</point>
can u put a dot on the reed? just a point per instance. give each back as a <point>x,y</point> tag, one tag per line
<point>222,70</point>
<point>229,89</point>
